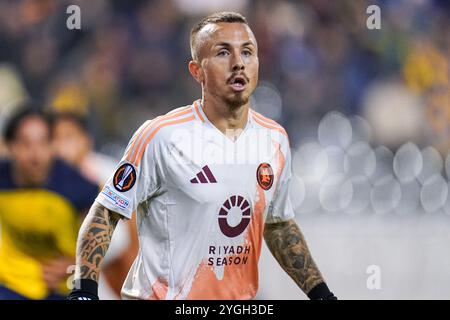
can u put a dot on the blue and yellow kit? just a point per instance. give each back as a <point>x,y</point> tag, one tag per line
<point>39,224</point>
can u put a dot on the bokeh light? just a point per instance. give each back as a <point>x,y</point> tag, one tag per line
<point>386,194</point>
<point>408,162</point>
<point>360,159</point>
<point>310,162</point>
<point>336,192</point>
<point>434,193</point>
<point>335,130</point>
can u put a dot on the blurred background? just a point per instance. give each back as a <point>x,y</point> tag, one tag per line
<point>367,112</point>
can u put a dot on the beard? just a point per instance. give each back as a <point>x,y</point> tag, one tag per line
<point>237,101</point>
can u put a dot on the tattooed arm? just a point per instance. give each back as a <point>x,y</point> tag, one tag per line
<point>93,242</point>
<point>288,245</point>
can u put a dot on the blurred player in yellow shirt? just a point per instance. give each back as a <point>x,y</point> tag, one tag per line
<point>41,201</point>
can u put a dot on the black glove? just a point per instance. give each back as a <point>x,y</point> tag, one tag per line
<point>321,292</point>
<point>84,289</point>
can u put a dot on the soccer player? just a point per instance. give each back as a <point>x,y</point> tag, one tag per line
<point>209,181</point>
<point>42,202</point>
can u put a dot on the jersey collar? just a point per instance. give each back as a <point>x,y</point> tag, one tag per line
<point>201,116</point>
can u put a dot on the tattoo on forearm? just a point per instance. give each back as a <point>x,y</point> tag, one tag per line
<point>287,244</point>
<point>94,239</point>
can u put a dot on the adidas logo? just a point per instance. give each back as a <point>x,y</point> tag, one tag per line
<point>204,176</point>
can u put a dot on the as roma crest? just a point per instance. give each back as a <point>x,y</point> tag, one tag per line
<point>264,175</point>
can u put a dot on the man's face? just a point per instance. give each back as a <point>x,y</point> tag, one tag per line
<point>31,150</point>
<point>70,142</point>
<point>229,62</point>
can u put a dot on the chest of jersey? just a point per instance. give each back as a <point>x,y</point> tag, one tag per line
<point>206,156</point>
<point>212,176</point>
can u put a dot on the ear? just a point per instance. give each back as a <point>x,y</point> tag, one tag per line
<point>196,71</point>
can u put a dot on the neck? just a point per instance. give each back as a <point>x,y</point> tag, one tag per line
<point>230,120</point>
<point>23,180</point>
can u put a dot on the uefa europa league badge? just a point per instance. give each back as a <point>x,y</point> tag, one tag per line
<point>124,178</point>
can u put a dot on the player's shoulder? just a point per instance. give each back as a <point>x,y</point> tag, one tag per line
<point>70,183</point>
<point>5,174</point>
<point>157,128</point>
<point>176,118</point>
<point>265,123</point>
<point>158,131</point>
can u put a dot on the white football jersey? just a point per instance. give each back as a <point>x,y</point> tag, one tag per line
<point>201,201</point>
